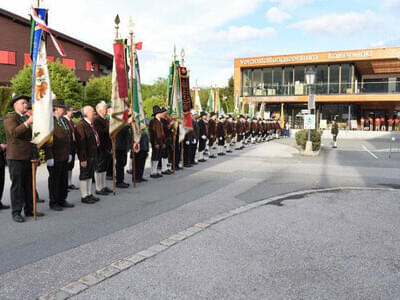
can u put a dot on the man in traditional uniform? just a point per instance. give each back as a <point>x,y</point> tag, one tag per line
<point>58,155</point>
<point>247,131</point>
<point>102,124</point>
<point>221,133</point>
<point>196,135</point>
<point>239,133</point>
<point>19,153</point>
<point>72,137</point>
<point>203,133</point>
<point>123,143</point>
<point>212,134</point>
<point>229,133</point>
<point>187,149</point>
<point>168,149</point>
<point>253,129</point>
<point>88,141</point>
<point>141,156</point>
<point>157,140</point>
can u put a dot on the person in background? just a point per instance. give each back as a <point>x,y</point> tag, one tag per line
<point>72,129</point>
<point>335,132</point>
<point>3,148</point>
<point>122,145</point>
<point>141,156</point>
<point>362,123</point>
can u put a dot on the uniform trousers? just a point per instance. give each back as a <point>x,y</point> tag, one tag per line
<point>21,186</point>
<point>140,162</point>
<point>58,182</point>
<point>2,176</point>
<point>120,163</point>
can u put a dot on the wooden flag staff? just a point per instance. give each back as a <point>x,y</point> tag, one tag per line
<point>131,26</point>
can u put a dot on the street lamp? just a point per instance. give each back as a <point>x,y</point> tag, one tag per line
<point>309,74</point>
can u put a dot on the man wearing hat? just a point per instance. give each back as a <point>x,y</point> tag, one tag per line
<point>101,123</point>
<point>157,140</point>
<point>239,133</point>
<point>72,137</point>
<point>196,135</point>
<point>212,134</point>
<point>221,133</point>
<point>203,133</point>
<point>167,151</point>
<point>57,157</point>
<point>88,141</point>
<point>229,133</point>
<point>19,153</point>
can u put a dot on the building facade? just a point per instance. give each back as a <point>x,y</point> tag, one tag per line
<point>349,85</point>
<point>84,59</point>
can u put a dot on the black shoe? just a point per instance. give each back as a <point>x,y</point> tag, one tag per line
<point>3,206</point>
<point>220,154</point>
<point>108,190</point>
<point>102,193</point>
<point>195,163</point>
<point>129,171</point>
<point>40,200</point>
<point>143,180</point>
<point>18,218</point>
<point>202,160</point>
<point>95,199</point>
<point>187,166</point>
<point>72,187</point>
<point>229,151</point>
<point>66,204</point>
<point>87,200</point>
<point>30,214</point>
<point>56,207</point>
<point>108,177</point>
<point>212,156</point>
<point>168,172</point>
<point>156,176</point>
<point>178,168</point>
<point>122,185</point>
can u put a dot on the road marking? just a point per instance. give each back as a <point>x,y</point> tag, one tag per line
<point>366,149</point>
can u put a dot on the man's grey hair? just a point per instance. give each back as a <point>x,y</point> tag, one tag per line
<point>100,105</point>
<point>85,110</point>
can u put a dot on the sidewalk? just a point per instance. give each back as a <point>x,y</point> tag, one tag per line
<point>332,245</point>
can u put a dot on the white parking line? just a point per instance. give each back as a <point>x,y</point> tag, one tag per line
<point>366,149</point>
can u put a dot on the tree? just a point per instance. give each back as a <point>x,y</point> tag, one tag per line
<point>149,103</point>
<point>64,83</point>
<point>98,89</point>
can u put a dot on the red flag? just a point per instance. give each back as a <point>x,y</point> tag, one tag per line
<point>139,46</point>
<point>120,65</point>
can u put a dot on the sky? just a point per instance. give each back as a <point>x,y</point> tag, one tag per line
<point>214,32</point>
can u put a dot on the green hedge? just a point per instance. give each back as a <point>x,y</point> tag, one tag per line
<point>302,135</point>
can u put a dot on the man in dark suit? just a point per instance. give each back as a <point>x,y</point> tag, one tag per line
<point>19,154</point>
<point>88,142</point>
<point>123,142</point>
<point>3,148</point>
<point>167,151</point>
<point>212,134</point>
<point>157,140</point>
<point>72,137</point>
<point>58,154</point>
<point>221,132</point>
<point>102,124</point>
<point>203,133</point>
<point>196,136</point>
<point>141,156</point>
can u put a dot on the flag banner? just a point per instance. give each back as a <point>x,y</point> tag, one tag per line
<point>169,102</point>
<point>177,95</point>
<point>236,111</point>
<point>40,22</point>
<point>119,90</point>
<point>217,102</point>
<point>187,104</point>
<point>210,102</point>
<point>137,103</point>
<point>42,97</point>
<point>197,102</point>
<point>139,46</point>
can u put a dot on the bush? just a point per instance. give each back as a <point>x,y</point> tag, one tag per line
<point>302,135</point>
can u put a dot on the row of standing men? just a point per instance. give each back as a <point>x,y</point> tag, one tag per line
<point>89,140</point>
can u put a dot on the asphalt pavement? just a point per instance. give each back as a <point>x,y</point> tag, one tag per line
<point>37,257</point>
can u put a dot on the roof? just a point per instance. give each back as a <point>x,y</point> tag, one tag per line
<point>57,34</point>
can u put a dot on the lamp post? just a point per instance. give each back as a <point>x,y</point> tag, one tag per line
<point>309,74</point>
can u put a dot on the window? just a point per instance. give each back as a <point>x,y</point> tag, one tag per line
<point>27,59</point>
<point>299,85</point>
<point>7,57</point>
<point>267,74</point>
<point>321,79</point>
<point>69,63</point>
<point>246,82</point>
<point>96,67</point>
<point>277,77</point>
<point>89,66</point>
<point>333,79</point>
<point>288,81</point>
<point>347,72</point>
<point>257,84</point>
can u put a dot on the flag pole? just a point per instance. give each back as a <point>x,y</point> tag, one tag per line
<point>117,21</point>
<point>174,148</point>
<point>131,25</point>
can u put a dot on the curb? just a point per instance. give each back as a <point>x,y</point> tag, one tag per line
<point>92,279</point>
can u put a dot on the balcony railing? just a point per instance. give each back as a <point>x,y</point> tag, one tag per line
<point>300,89</point>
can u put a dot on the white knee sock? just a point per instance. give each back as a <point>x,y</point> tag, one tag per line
<point>69,177</point>
<point>83,189</point>
<point>89,187</point>
<point>97,177</point>
<point>103,179</point>
<point>164,164</point>
<point>154,167</point>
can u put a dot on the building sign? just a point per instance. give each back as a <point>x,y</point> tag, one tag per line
<point>279,60</point>
<point>309,122</point>
<point>348,55</point>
